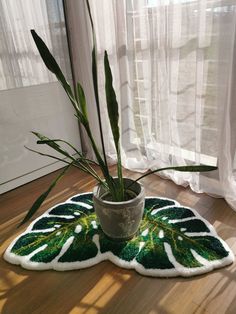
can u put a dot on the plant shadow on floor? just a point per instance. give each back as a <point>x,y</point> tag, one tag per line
<point>103,288</point>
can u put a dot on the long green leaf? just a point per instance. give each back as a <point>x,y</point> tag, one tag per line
<point>49,61</point>
<point>113,113</point>
<point>45,138</point>
<point>84,163</point>
<point>112,105</point>
<point>70,145</point>
<point>53,66</point>
<point>94,60</point>
<point>42,197</point>
<point>95,87</point>
<point>80,163</point>
<point>82,100</point>
<point>197,168</point>
<point>52,144</point>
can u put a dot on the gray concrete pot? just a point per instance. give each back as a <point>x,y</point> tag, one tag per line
<point>120,220</point>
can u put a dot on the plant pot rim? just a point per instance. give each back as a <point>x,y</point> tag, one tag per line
<point>114,204</point>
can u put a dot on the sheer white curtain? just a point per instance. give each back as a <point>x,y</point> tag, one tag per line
<point>20,64</point>
<point>173,64</point>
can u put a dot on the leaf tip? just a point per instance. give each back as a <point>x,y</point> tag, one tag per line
<point>33,33</point>
<point>19,225</point>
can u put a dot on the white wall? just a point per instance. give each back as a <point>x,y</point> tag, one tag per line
<point>43,108</point>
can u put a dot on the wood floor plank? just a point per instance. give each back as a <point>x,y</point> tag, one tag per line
<point>106,288</point>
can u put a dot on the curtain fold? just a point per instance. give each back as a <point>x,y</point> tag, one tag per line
<point>227,107</point>
<point>173,65</point>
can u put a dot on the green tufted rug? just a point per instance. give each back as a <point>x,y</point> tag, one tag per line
<point>173,241</point>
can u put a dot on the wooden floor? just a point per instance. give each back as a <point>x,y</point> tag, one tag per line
<point>106,288</point>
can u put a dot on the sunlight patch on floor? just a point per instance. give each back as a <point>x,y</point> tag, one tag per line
<point>100,295</point>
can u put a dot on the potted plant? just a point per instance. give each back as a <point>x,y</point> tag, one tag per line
<point>118,201</point>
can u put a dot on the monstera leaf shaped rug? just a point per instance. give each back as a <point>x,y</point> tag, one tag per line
<point>172,241</point>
